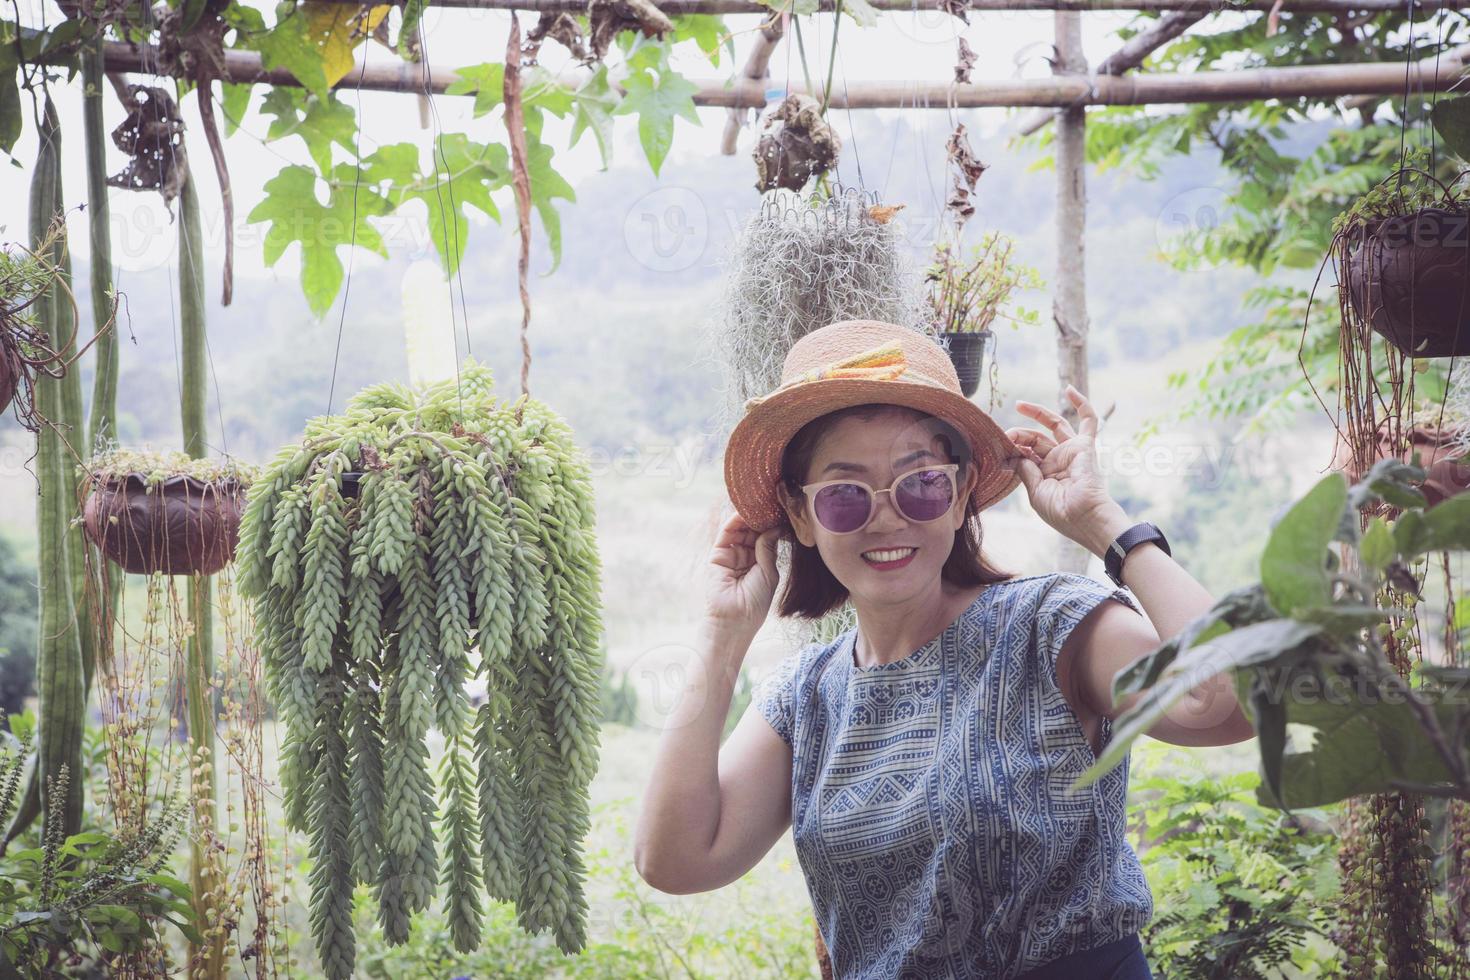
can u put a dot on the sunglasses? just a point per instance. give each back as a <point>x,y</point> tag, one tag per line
<point>920,495</point>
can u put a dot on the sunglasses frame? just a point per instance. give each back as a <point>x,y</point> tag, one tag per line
<point>950,469</point>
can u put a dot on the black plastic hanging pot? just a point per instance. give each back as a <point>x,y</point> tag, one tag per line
<point>967,352</point>
<point>1410,280</point>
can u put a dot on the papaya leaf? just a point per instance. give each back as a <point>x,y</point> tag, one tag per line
<point>1293,565</point>
<point>485,81</point>
<point>319,122</point>
<point>464,173</point>
<point>546,186</point>
<point>595,102</point>
<point>236,101</point>
<point>1242,647</point>
<point>657,93</point>
<point>705,30</point>
<point>296,215</point>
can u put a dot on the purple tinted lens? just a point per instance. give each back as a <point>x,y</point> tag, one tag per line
<point>925,495</point>
<point>842,507</point>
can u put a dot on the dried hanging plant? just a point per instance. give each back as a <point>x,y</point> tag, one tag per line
<point>25,344</point>
<point>797,144</point>
<point>800,264</point>
<point>152,135</point>
<point>418,539</point>
<point>606,18</point>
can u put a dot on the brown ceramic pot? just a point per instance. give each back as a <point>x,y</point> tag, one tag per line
<point>185,526</point>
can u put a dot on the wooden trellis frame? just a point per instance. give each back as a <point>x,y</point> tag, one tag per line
<point>1062,98</point>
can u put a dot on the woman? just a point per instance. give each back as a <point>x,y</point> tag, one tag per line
<point>923,758</point>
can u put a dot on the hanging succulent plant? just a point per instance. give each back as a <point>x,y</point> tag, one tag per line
<point>468,549</point>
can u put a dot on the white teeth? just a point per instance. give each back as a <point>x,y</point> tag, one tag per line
<point>882,556</point>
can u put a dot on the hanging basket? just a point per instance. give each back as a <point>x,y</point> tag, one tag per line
<point>181,525</point>
<point>1444,477</point>
<point>967,351</point>
<point>1409,278</point>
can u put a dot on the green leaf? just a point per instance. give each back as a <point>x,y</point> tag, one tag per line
<point>657,94</point>
<point>1269,717</point>
<point>1389,480</point>
<point>595,102</point>
<point>288,46</point>
<point>236,101</point>
<point>1344,619</point>
<point>1362,744</point>
<point>705,30</point>
<point>296,215</point>
<point>12,119</point>
<point>1377,548</point>
<point>486,81</point>
<point>861,12</point>
<point>465,173</point>
<point>319,122</point>
<point>546,186</point>
<point>1293,565</point>
<point>1451,118</point>
<point>1241,647</point>
<point>1448,524</point>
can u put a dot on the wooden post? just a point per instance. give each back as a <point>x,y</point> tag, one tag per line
<point>1069,291</point>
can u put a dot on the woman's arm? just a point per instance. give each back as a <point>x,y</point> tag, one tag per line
<point>710,813</point>
<point>1112,636</point>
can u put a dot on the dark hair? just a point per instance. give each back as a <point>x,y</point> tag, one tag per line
<point>812,591</point>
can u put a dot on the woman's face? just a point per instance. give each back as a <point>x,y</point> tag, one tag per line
<point>874,451</point>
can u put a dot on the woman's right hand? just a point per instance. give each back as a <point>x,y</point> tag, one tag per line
<point>742,576</point>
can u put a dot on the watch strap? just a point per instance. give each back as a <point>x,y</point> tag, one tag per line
<point>1126,542</point>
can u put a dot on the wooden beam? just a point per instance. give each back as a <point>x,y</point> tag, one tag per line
<point>1316,81</point>
<point>675,8</point>
<point>1129,56</point>
<point>757,67</point>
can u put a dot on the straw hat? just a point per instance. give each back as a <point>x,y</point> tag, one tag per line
<point>855,362</point>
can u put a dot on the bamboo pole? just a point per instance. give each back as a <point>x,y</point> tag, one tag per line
<point>1314,81</point>
<point>675,8</point>
<point>1069,293</point>
<point>1129,56</point>
<point>757,67</point>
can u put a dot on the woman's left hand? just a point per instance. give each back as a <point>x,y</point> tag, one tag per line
<point>1059,471</point>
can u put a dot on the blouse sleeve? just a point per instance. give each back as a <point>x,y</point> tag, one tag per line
<point>775,697</point>
<point>1066,601</point>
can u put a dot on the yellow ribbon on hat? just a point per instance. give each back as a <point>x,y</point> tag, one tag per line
<point>884,363</point>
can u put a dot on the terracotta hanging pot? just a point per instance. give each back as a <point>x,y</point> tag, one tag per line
<point>1409,278</point>
<point>967,351</point>
<point>10,375</point>
<point>184,526</point>
<point>1444,477</point>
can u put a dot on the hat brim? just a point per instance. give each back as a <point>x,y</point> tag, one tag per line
<point>756,444</point>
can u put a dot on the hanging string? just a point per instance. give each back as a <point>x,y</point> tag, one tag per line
<point>352,245</point>
<point>436,154</point>
<point>851,127</point>
<point>449,186</point>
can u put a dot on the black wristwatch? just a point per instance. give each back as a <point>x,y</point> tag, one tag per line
<point>1126,542</point>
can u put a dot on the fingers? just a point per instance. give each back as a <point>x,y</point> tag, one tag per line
<point>1086,414</point>
<point>1059,426</point>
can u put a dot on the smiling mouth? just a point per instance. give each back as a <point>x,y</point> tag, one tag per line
<point>884,556</point>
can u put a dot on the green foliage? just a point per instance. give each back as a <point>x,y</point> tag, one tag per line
<point>87,895</point>
<point>1242,891</point>
<point>470,531</point>
<point>17,629</point>
<point>1304,647</point>
<point>966,295</point>
<point>656,94</point>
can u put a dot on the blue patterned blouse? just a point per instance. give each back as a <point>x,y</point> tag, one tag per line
<point>929,797</point>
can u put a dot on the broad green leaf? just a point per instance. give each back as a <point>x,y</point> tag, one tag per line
<point>1239,607</point>
<point>1411,534</point>
<point>705,30</point>
<point>486,81</point>
<point>546,186</point>
<point>315,41</point>
<point>1362,744</point>
<point>1392,481</point>
<point>657,95</point>
<point>236,102</point>
<point>1448,524</point>
<point>1451,118</point>
<point>319,122</point>
<point>1377,548</point>
<point>1344,618</point>
<point>296,215</point>
<point>1268,715</point>
<point>464,173</point>
<point>1293,565</point>
<point>1247,645</point>
<point>595,102</point>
